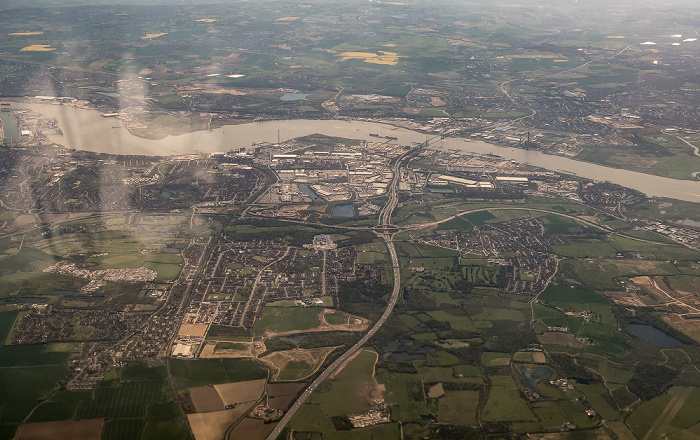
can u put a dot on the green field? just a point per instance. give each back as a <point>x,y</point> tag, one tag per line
<point>479,218</point>
<point>123,400</point>
<point>457,223</point>
<point>139,371</point>
<point>600,274</point>
<point>188,374</point>
<point>601,401</point>
<point>491,359</point>
<point>561,225</point>
<point>456,322</point>
<point>504,402</point>
<point>405,393</point>
<point>685,283</point>
<point>493,314</point>
<point>343,394</point>
<point>20,388</point>
<point>284,319</point>
<point>565,294</point>
<point>138,405</point>
<point>7,319</point>
<point>30,355</point>
<point>459,408</point>
<point>670,414</point>
<point>588,248</point>
<point>123,429</point>
<point>371,257</point>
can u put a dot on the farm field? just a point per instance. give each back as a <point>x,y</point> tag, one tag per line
<point>345,393</point>
<point>504,402</point>
<point>232,394</point>
<point>194,373</point>
<point>137,402</point>
<point>213,425</point>
<point>252,428</point>
<point>78,430</point>
<point>281,395</point>
<point>673,412</point>
<point>284,319</point>
<point>206,399</point>
<point>459,408</point>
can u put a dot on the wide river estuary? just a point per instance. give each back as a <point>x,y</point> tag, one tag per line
<point>85,129</point>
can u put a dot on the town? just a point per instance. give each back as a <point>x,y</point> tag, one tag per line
<point>351,219</point>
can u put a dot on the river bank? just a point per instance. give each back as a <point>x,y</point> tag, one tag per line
<point>85,129</point>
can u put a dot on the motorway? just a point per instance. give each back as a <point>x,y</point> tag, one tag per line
<point>385,221</point>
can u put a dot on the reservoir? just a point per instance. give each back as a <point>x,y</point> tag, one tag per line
<point>653,335</point>
<point>85,129</point>
<point>294,96</point>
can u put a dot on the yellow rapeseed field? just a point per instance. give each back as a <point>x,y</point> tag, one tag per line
<point>383,57</point>
<point>27,33</point>
<point>38,48</point>
<point>149,36</point>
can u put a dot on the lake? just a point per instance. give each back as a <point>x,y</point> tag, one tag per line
<point>294,96</point>
<point>85,129</point>
<point>653,335</point>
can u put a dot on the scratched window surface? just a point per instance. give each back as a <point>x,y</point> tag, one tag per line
<point>345,219</point>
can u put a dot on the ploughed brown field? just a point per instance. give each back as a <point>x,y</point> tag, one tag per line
<point>80,430</point>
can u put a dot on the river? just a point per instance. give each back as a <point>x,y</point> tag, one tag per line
<point>85,129</point>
